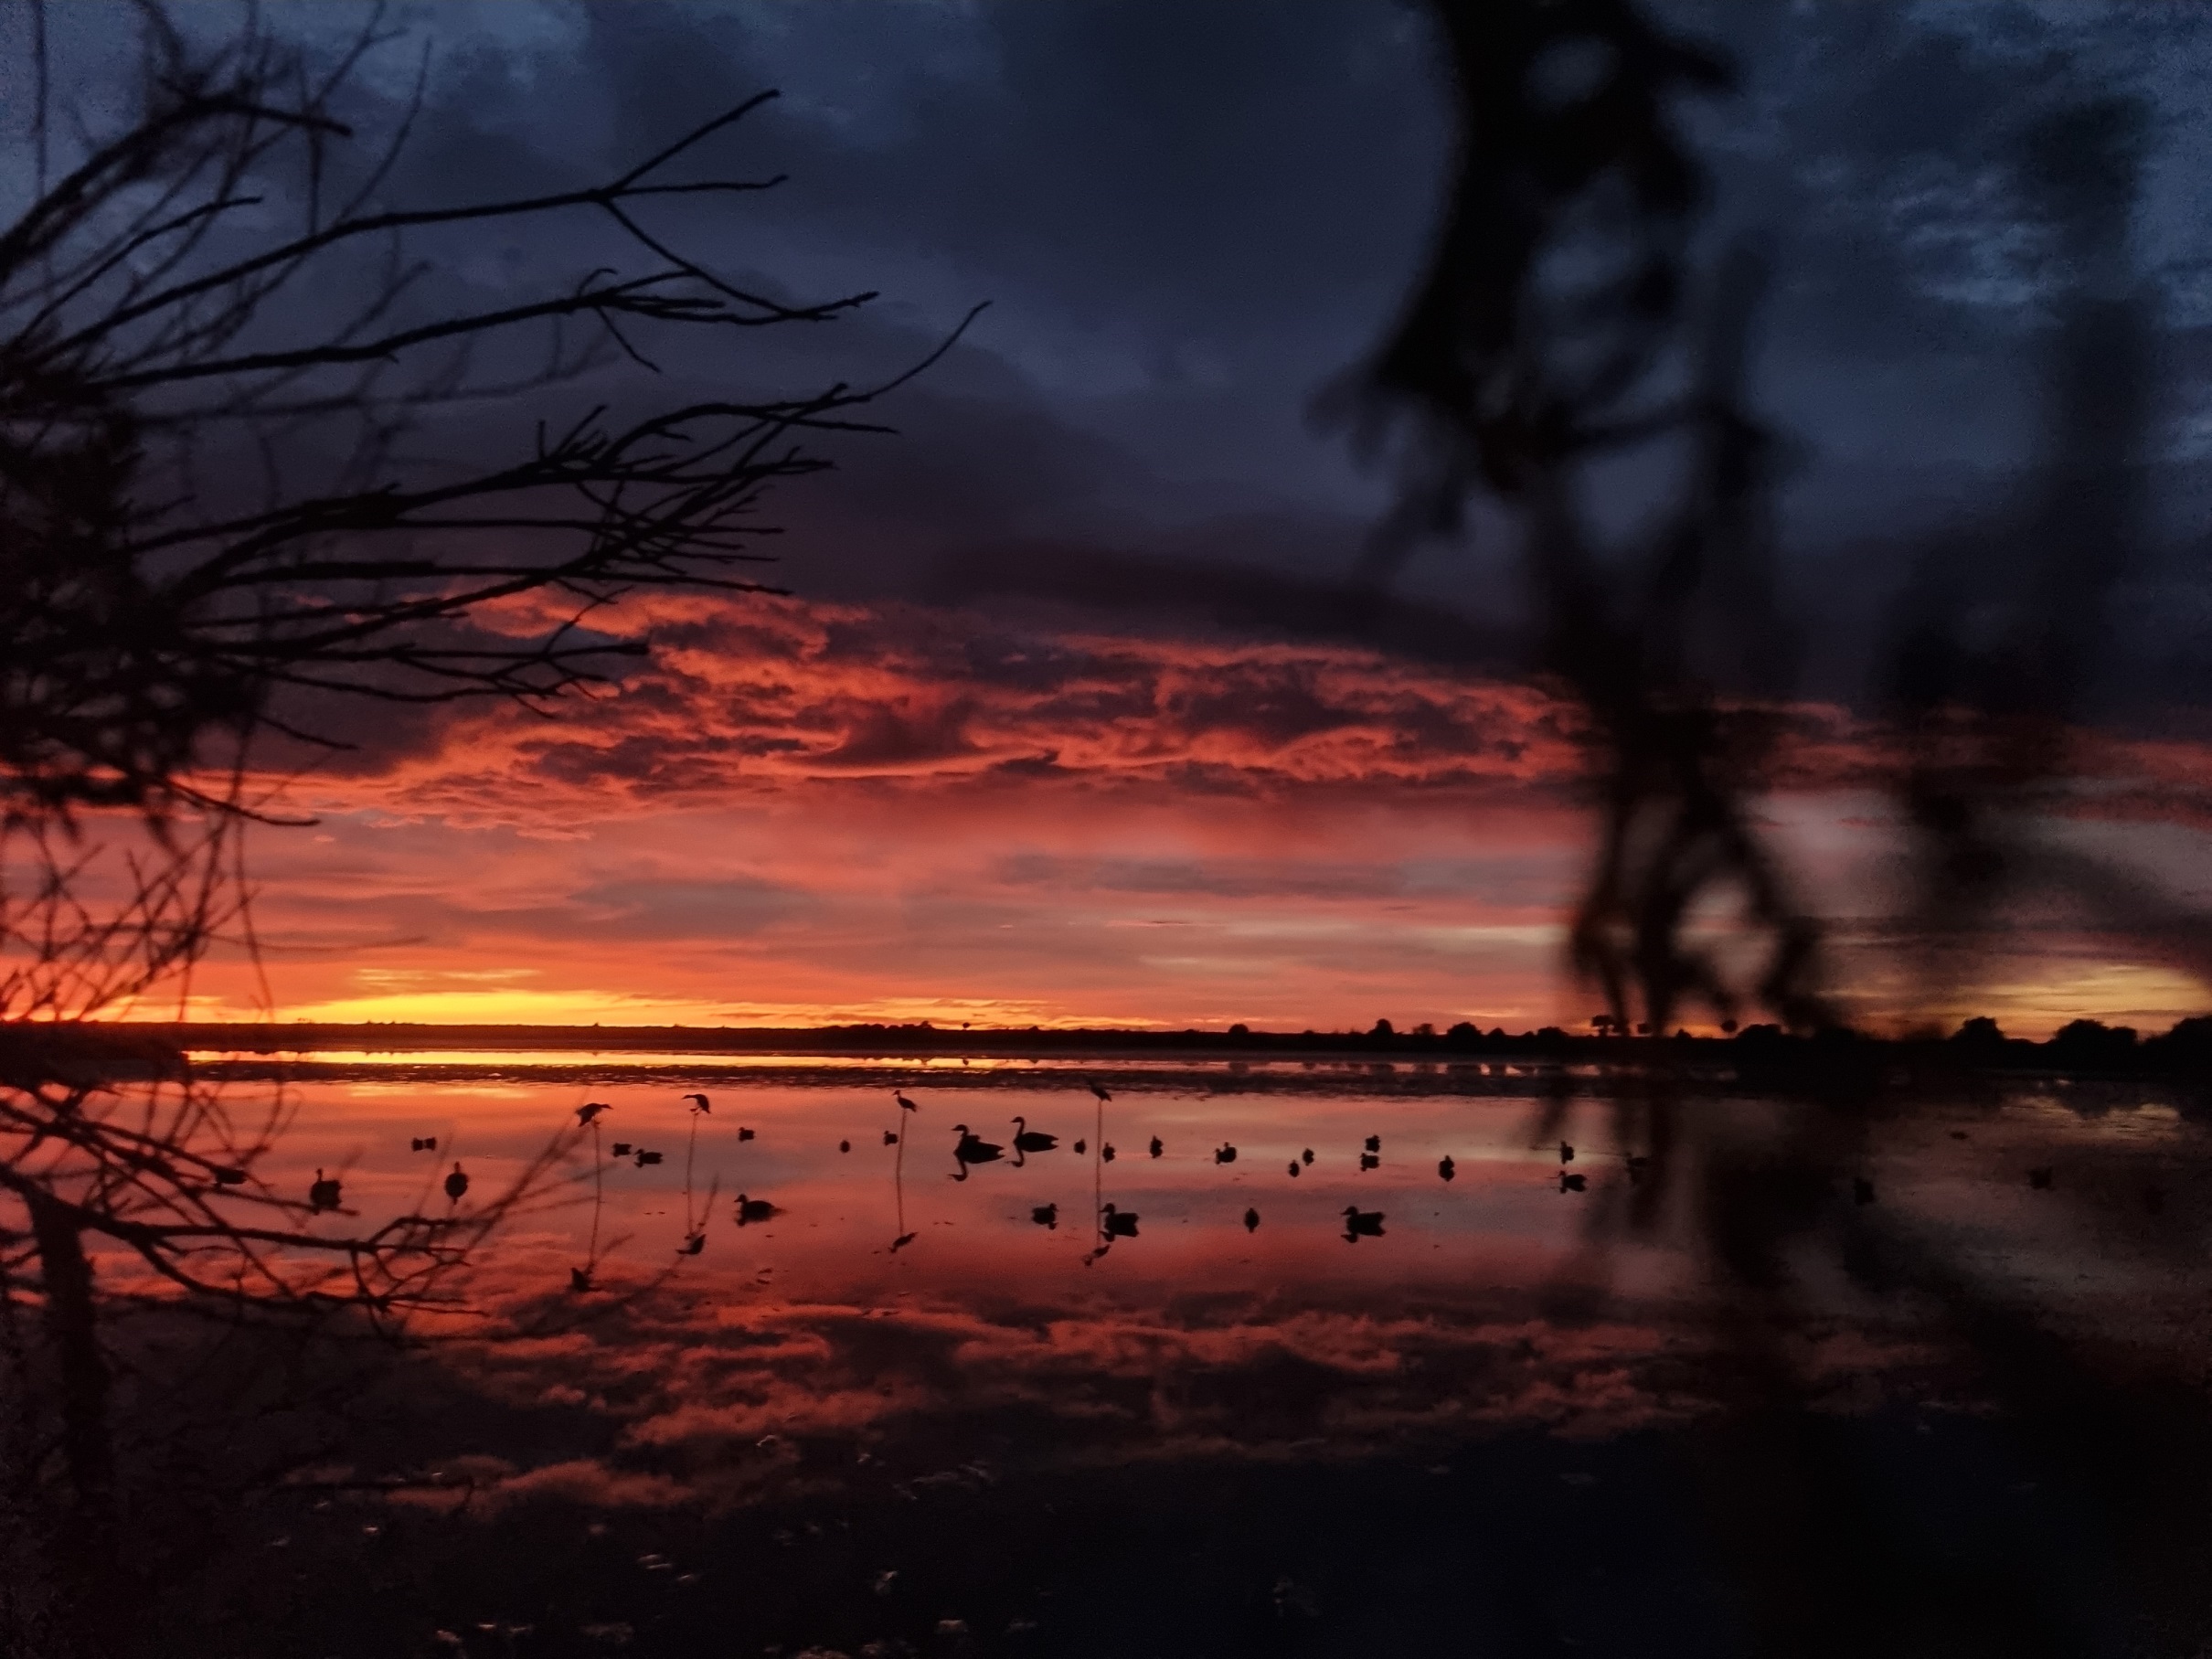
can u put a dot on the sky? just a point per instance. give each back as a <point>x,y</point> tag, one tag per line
<point>1060,718</point>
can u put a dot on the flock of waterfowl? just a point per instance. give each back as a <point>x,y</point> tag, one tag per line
<point>969,1149</point>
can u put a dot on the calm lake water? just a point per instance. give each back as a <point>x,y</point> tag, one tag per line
<point>1215,1437</point>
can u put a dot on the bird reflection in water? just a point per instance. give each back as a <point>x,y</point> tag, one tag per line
<point>1113,1223</point>
<point>1361,1224</point>
<point>893,1137</point>
<point>1027,1140</point>
<point>972,1149</point>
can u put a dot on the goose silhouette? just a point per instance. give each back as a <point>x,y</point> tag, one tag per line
<point>751,1210</point>
<point>1046,1215</point>
<point>1251,1221</point>
<point>1572,1184</point>
<point>1446,1167</point>
<point>1225,1153</point>
<point>589,1110</point>
<point>971,1149</point>
<point>1027,1140</point>
<point>325,1193</point>
<point>1117,1223</point>
<point>1158,1147</point>
<point>456,1185</point>
<point>1361,1224</point>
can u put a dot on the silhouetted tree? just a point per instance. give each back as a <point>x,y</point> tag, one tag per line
<point>212,351</point>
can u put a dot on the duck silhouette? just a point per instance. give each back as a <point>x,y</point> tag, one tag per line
<point>1079,1147</point>
<point>456,1185</point>
<point>1567,1153</point>
<point>1117,1223</point>
<point>645,1158</point>
<point>700,1102</point>
<point>751,1211</point>
<point>890,1137</point>
<point>589,1110</point>
<point>1027,1140</point>
<point>1572,1184</point>
<point>622,1148</point>
<point>1251,1221</point>
<point>745,1134</point>
<point>1446,1167</point>
<point>1374,1142</point>
<point>1306,1157</point>
<point>1361,1224</point>
<point>423,1143</point>
<point>971,1149</point>
<point>325,1193</point>
<point>1367,1161</point>
<point>1106,1152</point>
<point>1225,1153</point>
<point>1295,1169</point>
<point>1158,1147</point>
<point>1046,1215</point>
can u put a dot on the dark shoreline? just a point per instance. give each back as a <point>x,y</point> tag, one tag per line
<point>2083,1049</point>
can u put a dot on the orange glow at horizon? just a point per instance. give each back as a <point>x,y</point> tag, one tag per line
<point>802,815</point>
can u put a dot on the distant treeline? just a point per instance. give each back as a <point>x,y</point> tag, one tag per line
<point>2084,1045</point>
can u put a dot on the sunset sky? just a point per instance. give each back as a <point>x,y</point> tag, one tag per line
<point>1005,752</point>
